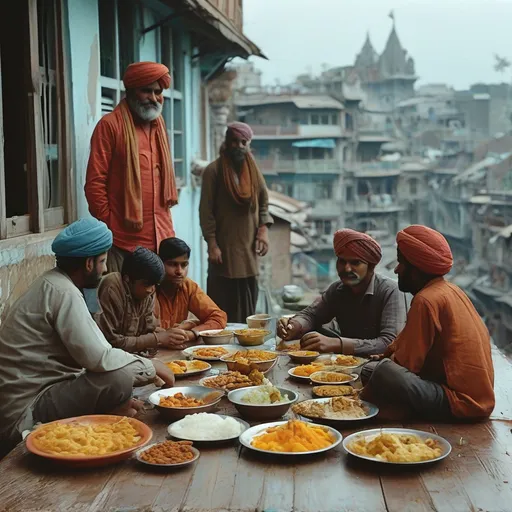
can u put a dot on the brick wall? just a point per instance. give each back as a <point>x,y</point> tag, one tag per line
<point>22,260</point>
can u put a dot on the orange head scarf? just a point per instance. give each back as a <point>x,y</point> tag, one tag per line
<point>426,249</point>
<point>360,244</point>
<point>140,74</point>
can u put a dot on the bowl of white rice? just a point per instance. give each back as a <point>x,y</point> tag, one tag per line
<point>262,403</point>
<point>205,427</point>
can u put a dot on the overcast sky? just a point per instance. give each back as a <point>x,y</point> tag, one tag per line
<point>451,41</point>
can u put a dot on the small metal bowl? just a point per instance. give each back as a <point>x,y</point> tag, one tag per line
<point>315,378</point>
<point>297,358</point>
<point>177,413</point>
<point>245,369</point>
<point>246,338</point>
<point>261,412</point>
<point>138,454</point>
<point>213,338</point>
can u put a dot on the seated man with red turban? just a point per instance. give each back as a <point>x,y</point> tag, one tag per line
<point>130,183</point>
<point>440,366</point>
<point>369,308</point>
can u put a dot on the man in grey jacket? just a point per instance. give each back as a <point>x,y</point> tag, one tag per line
<point>369,308</point>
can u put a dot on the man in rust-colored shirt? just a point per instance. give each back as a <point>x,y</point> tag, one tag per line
<point>440,365</point>
<point>130,182</point>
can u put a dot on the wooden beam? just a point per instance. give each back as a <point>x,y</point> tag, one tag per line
<point>35,150</point>
<point>3,210</point>
<point>66,169</point>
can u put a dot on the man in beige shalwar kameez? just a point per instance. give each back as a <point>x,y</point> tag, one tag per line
<point>234,220</point>
<point>54,361</point>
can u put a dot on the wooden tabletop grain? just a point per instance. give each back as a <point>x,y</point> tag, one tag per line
<point>477,476</point>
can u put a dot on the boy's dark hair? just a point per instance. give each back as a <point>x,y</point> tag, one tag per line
<point>143,264</point>
<point>70,264</point>
<point>171,248</point>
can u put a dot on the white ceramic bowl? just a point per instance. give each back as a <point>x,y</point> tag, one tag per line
<point>213,337</point>
<point>261,321</point>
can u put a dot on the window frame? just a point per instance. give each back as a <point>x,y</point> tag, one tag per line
<point>39,218</point>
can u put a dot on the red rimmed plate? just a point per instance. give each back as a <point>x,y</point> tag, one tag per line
<point>83,461</point>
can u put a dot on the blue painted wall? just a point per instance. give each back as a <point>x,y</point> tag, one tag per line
<point>86,98</point>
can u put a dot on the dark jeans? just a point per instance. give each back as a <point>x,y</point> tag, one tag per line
<point>393,384</point>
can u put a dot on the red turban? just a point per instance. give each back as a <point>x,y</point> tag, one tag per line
<point>241,130</point>
<point>426,249</point>
<point>141,74</point>
<point>360,244</point>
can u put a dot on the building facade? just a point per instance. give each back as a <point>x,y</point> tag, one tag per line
<point>73,54</point>
<point>300,143</point>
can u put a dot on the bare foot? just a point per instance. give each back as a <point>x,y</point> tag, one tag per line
<point>130,408</point>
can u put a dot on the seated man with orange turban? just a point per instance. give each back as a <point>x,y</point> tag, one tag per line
<point>369,308</point>
<point>440,365</point>
<point>130,182</point>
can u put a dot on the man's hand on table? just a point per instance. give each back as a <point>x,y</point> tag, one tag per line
<point>288,329</point>
<point>173,339</point>
<point>164,373</point>
<point>320,343</point>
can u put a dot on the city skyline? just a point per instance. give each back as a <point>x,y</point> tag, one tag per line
<point>439,35</point>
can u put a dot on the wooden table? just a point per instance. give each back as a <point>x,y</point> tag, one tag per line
<point>476,477</point>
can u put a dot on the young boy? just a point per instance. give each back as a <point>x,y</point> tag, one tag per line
<point>127,301</point>
<point>178,296</point>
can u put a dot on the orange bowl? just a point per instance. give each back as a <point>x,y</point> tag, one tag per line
<point>89,461</point>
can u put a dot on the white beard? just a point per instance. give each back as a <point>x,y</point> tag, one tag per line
<point>147,112</point>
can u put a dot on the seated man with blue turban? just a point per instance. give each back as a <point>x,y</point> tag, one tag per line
<point>54,361</point>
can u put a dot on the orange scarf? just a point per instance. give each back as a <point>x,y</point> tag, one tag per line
<point>133,189</point>
<point>245,191</point>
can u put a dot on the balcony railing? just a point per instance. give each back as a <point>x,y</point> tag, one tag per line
<point>312,166</point>
<point>312,131</point>
<point>383,203</point>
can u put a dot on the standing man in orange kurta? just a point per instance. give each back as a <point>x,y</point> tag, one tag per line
<point>130,183</point>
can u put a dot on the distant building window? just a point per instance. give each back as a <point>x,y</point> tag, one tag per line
<point>315,119</point>
<point>324,119</point>
<point>304,153</point>
<point>334,119</point>
<point>323,191</point>
<point>323,227</point>
<point>318,153</point>
<point>349,122</point>
<point>413,186</point>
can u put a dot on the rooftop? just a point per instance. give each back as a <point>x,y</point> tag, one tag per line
<point>300,101</point>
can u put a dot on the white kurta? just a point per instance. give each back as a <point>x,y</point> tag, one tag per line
<point>50,336</point>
